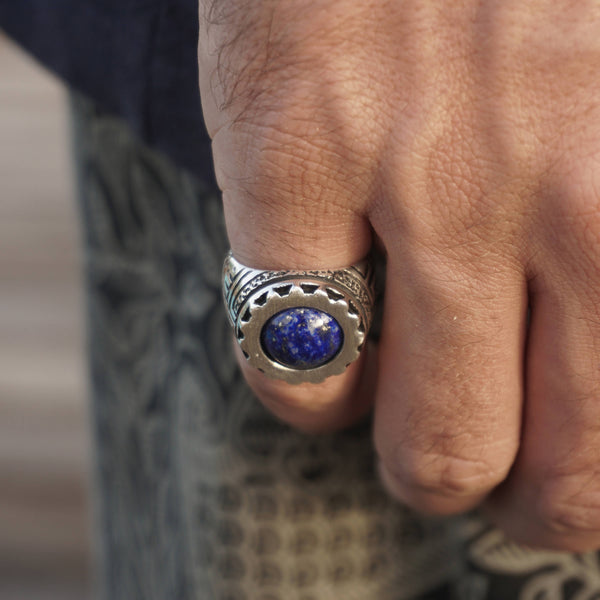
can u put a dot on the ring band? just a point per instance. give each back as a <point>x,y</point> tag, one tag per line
<point>302,325</point>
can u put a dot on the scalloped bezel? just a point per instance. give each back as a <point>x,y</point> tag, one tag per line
<point>253,296</point>
<point>271,302</point>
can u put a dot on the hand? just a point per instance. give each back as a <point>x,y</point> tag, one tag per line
<point>465,137</point>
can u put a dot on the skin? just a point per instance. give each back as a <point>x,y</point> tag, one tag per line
<point>464,138</point>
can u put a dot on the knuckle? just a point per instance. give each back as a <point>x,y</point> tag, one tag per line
<point>296,156</point>
<point>446,475</point>
<point>568,507</point>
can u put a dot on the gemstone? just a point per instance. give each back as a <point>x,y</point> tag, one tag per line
<point>302,338</point>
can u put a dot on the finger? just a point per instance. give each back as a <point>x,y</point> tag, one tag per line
<point>296,235</point>
<point>447,411</point>
<point>286,208</point>
<point>296,171</point>
<point>337,403</point>
<point>294,154</point>
<point>552,499</point>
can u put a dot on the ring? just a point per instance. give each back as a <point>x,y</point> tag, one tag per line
<point>299,326</point>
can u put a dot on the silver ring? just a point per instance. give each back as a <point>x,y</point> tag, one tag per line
<point>299,326</point>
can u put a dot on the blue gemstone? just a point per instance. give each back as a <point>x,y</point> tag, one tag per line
<point>302,338</point>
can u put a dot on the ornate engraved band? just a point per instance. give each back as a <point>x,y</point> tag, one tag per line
<point>299,326</point>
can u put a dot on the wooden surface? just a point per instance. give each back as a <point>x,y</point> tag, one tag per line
<point>44,442</point>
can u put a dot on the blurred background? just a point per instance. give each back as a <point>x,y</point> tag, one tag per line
<point>44,437</point>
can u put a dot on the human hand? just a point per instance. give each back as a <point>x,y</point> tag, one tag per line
<point>464,137</point>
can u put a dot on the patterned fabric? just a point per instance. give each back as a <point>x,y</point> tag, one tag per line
<point>202,495</point>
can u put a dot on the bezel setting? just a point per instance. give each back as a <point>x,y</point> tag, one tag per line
<point>253,296</point>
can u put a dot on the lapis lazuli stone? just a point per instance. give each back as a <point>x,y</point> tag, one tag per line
<point>302,338</point>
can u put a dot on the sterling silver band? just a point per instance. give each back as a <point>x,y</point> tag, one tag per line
<point>332,305</point>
